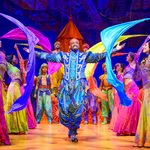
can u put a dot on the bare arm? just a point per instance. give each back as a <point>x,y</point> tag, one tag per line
<point>36,87</point>
<point>101,83</point>
<point>22,64</point>
<point>18,52</point>
<point>137,55</point>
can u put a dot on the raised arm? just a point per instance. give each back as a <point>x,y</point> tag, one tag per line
<point>93,58</point>
<point>22,64</point>
<point>56,57</point>
<point>138,74</point>
<point>51,57</point>
<point>137,55</point>
<point>18,52</point>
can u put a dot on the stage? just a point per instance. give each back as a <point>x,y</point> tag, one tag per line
<point>54,137</point>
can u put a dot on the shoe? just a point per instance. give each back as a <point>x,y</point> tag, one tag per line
<point>104,121</point>
<point>94,120</point>
<point>7,143</point>
<point>95,123</point>
<point>73,138</point>
<point>132,134</point>
<point>85,122</point>
<point>72,132</point>
<point>49,121</point>
<point>118,134</point>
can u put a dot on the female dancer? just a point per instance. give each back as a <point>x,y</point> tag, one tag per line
<point>142,137</point>
<point>16,121</point>
<point>119,70</point>
<point>29,109</point>
<point>4,138</point>
<point>127,120</point>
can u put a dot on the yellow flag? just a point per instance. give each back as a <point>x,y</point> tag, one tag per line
<point>99,48</point>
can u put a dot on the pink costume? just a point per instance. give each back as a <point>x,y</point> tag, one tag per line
<point>4,138</point>
<point>116,105</point>
<point>128,117</point>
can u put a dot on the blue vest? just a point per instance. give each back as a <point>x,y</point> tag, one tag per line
<point>76,67</point>
<point>47,80</point>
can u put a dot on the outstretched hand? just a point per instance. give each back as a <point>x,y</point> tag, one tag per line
<point>119,47</point>
<point>15,46</point>
<point>26,49</point>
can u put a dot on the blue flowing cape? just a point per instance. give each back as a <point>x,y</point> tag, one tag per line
<point>109,37</point>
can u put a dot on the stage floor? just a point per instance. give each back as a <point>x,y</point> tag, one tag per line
<point>54,137</point>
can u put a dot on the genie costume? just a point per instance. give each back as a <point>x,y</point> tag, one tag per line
<point>72,89</point>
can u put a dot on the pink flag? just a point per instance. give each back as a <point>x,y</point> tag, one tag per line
<point>17,34</point>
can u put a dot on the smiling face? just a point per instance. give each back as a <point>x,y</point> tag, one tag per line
<point>74,44</point>
<point>44,69</point>
<point>146,48</point>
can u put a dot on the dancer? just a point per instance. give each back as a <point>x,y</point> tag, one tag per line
<point>106,88</point>
<point>72,89</point>
<point>127,120</point>
<point>29,108</point>
<point>119,71</point>
<point>4,138</point>
<point>142,137</point>
<point>56,79</point>
<point>90,106</point>
<point>90,102</point>
<point>16,121</point>
<point>43,90</point>
<point>57,76</point>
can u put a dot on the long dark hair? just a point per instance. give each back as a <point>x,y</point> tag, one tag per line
<point>131,55</point>
<point>149,45</point>
<point>9,58</point>
<point>144,59</point>
<point>122,66</point>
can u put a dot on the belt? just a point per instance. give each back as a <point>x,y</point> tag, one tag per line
<point>44,87</point>
<point>105,89</point>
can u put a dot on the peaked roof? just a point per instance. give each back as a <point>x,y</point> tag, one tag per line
<point>70,31</point>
